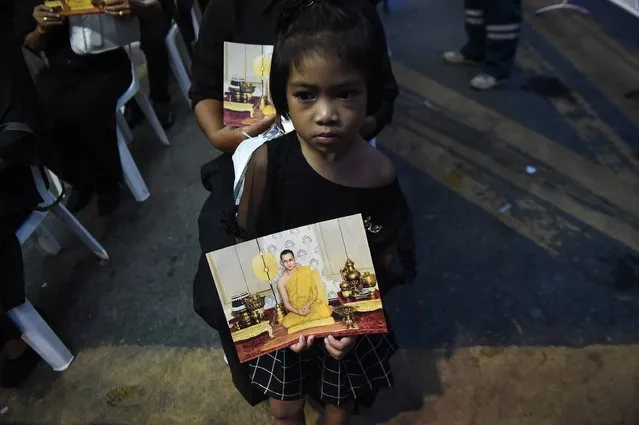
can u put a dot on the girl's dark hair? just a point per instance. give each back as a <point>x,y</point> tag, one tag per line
<point>333,28</point>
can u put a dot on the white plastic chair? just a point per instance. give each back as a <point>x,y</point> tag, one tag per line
<point>132,175</point>
<point>40,337</point>
<point>35,330</point>
<point>196,16</point>
<point>35,220</point>
<point>177,64</point>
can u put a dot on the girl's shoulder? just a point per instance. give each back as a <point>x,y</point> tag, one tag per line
<point>377,168</point>
<point>281,147</point>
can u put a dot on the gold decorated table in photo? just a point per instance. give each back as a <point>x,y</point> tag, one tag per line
<point>252,331</point>
<point>365,306</point>
<point>371,302</point>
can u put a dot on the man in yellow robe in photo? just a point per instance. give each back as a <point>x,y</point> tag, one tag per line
<point>299,291</point>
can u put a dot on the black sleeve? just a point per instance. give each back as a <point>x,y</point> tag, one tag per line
<point>251,203</point>
<point>392,239</point>
<point>23,21</point>
<point>208,58</point>
<point>17,105</point>
<point>390,92</point>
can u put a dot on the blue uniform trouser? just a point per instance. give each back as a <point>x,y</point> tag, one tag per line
<point>493,28</point>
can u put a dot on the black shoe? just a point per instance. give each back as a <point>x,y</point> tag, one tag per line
<point>164,114</point>
<point>15,371</point>
<point>133,114</point>
<point>78,199</point>
<point>108,202</point>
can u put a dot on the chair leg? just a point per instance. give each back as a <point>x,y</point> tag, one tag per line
<point>72,223</point>
<point>123,126</point>
<point>132,175</point>
<point>40,337</point>
<point>47,241</point>
<point>55,181</point>
<point>178,68</point>
<point>196,21</point>
<point>145,104</point>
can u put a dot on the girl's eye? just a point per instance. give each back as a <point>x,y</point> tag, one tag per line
<point>348,94</point>
<point>304,96</point>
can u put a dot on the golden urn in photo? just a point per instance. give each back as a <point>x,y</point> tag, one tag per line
<point>351,279</point>
<point>369,280</point>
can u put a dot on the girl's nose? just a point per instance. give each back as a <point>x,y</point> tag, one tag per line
<point>326,113</point>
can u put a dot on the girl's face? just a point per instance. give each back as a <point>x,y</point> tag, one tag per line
<point>327,102</point>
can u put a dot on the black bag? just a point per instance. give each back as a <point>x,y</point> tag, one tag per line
<point>217,230</point>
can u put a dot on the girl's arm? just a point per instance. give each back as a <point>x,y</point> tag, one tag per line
<point>251,201</point>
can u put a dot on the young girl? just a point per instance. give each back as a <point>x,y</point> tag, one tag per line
<point>324,77</point>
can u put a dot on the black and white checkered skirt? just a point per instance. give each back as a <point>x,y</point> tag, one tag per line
<point>286,375</point>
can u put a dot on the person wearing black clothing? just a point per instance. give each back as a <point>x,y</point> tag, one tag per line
<point>153,31</point>
<point>78,95</point>
<point>250,22</point>
<point>18,195</point>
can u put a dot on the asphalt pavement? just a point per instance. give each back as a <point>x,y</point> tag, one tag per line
<point>525,310</point>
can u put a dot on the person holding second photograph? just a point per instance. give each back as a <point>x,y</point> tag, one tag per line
<point>252,22</point>
<point>78,95</point>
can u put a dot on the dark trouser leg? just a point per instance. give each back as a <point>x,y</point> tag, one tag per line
<point>11,264</point>
<point>185,23</point>
<point>8,331</point>
<point>98,131</point>
<point>152,35</point>
<point>474,48</point>
<point>503,21</point>
<point>203,5</point>
<point>81,107</point>
<point>58,153</point>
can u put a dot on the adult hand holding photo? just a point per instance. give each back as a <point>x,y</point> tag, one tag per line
<point>116,7</point>
<point>126,8</point>
<point>46,18</point>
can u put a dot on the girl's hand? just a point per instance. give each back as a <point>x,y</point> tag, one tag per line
<point>304,343</point>
<point>116,7</point>
<point>339,348</point>
<point>46,18</point>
